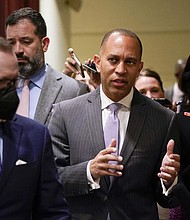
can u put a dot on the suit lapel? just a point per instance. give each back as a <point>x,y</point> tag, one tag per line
<point>11,140</point>
<point>94,119</point>
<point>137,118</point>
<point>48,96</point>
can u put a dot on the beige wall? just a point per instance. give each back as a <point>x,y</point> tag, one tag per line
<point>162,25</point>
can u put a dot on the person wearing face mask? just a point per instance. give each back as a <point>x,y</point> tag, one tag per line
<point>29,185</point>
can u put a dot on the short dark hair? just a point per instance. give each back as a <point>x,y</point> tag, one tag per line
<point>32,15</point>
<point>124,32</point>
<point>151,73</point>
<point>184,82</point>
<point>5,46</point>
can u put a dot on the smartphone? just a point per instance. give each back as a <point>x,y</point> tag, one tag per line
<point>91,67</point>
<point>79,65</point>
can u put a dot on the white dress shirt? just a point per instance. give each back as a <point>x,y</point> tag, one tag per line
<point>123,115</point>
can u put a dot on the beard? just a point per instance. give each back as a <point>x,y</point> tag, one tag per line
<point>32,65</point>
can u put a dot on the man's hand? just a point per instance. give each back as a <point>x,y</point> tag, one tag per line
<point>101,166</point>
<point>95,79</point>
<point>70,66</point>
<point>170,165</point>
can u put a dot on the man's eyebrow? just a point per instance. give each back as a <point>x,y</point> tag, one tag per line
<point>131,58</point>
<point>25,37</point>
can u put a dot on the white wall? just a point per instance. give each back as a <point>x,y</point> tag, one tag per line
<point>56,15</point>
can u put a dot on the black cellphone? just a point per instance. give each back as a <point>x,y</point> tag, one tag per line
<point>164,102</point>
<point>91,67</point>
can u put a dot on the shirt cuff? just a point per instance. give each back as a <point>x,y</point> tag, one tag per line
<point>94,184</point>
<point>168,191</point>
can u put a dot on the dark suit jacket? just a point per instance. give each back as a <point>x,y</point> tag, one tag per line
<point>57,87</point>
<point>31,190</point>
<point>184,127</point>
<point>182,191</point>
<point>77,134</point>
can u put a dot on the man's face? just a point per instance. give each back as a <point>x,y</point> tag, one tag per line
<point>119,65</point>
<point>27,46</point>
<point>149,87</point>
<point>8,69</point>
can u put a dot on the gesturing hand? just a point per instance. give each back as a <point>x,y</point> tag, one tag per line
<point>100,166</point>
<point>170,165</point>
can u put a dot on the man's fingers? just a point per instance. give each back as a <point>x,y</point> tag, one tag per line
<point>170,147</point>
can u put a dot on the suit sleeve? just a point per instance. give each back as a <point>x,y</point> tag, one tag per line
<point>173,133</point>
<point>50,202</point>
<point>72,176</point>
<point>83,88</point>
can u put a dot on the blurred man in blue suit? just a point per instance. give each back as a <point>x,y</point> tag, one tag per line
<point>29,186</point>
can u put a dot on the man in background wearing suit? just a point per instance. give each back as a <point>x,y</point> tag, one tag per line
<point>26,31</point>
<point>174,93</point>
<point>146,166</point>
<point>29,186</point>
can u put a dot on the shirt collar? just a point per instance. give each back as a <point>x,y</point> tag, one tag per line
<point>105,101</point>
<point>39,76</point>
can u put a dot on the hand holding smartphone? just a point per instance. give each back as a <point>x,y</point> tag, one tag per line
<point>79,65</point>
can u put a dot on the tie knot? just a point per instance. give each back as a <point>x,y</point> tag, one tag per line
<point>114,107</point>
<point>26,82</point>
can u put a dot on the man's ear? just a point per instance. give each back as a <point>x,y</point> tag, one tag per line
<point>97,61</point>
<point>140,68</point>
<point>45,43</point>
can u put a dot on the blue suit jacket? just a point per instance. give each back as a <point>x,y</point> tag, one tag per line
<point>29,190</point>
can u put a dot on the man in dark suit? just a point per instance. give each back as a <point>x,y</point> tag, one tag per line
<point>146,167</point>
<point>29,186</point>
<point>27,33</point>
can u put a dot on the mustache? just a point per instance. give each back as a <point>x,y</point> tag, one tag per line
<point>20,56</point>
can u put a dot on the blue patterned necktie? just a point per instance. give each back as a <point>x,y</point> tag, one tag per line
<point>111,129</point>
